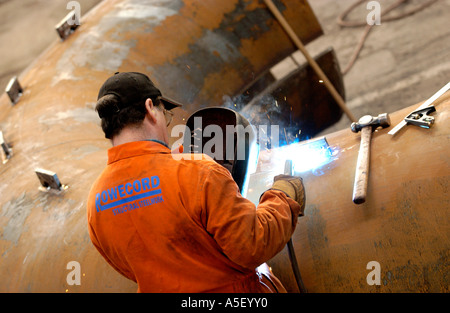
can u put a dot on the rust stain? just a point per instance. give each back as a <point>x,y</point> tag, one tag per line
<point>220,78</point>
<point>317,237</point>
<point>208,14</point>
<point>185,49</point>
<point>187,26</point>
<point>411,231</point>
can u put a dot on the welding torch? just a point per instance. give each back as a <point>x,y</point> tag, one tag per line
<point>288,170</point>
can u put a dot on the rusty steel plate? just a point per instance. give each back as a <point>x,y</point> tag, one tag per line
<point>195,51</point>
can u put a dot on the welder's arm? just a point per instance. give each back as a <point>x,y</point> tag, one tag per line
<point>248,235</point>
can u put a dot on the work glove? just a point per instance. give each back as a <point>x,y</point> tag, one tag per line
<point>293,187</point>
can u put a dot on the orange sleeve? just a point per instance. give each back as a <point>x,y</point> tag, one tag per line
<point>248,235</point>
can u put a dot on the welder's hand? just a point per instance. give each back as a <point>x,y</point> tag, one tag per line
<point>293,187</point>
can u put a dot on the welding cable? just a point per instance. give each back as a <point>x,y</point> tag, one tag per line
<point>289,170</point>
<point>342,22</point>
<point>295,268</point>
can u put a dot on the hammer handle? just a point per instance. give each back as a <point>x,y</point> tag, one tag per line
<point>362,167</point>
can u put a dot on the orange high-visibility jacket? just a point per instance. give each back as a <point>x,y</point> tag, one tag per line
<point>181,225</point>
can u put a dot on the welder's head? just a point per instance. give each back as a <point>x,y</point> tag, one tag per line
<point>121,101</point>
<point>233,145</point>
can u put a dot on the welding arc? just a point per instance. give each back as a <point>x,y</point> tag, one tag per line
<point>342,22</point>
<point>288,29</point>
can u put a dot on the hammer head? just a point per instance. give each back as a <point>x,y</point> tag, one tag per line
<point>381,120</point>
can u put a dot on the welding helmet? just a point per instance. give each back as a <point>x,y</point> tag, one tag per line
<point>228,138</point>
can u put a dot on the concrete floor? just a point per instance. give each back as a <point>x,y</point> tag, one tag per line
<point>402,63</point>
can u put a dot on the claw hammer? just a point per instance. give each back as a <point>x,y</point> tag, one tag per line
<point>366,124</point>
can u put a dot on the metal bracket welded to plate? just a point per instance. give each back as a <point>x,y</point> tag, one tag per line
<point>14,90</point>
<point>49,181</point>
<point>67,25</point>
<point>6,151</point>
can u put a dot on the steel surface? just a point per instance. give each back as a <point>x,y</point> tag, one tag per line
<point>403,225</point>
<point>195,51</point>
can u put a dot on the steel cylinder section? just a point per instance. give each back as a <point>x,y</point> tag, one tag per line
<point>195,51</point>
<point>402,226</point>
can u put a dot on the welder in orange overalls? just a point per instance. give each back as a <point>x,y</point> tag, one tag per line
<point>176,225</point>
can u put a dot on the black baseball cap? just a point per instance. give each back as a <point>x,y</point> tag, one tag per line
<point>132,88</point>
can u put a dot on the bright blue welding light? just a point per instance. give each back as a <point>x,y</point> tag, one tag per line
<point>252,165</point>
<point>308,156</point>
